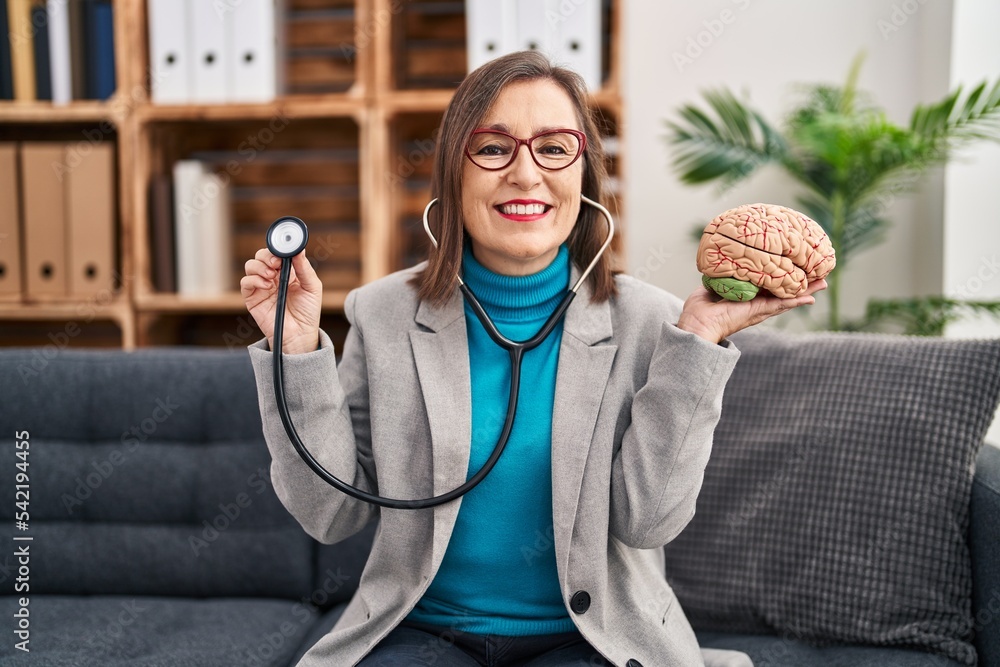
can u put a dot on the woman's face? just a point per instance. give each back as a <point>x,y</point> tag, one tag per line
<point>502,240</point>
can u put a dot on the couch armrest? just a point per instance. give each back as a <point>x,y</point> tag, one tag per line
<point>984,536</point>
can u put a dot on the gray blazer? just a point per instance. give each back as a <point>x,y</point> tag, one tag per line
<point>636,404</point>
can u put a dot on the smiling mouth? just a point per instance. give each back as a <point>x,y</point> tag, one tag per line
<point>523,209</point>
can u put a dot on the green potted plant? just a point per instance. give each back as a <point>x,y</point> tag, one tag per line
<point>852,162</point>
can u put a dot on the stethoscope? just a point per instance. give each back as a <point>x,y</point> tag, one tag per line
<point>288,236</point>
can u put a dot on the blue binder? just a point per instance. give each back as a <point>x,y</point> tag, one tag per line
<point>6,72</point>
<point>100,31</point>
<point>43,69</point>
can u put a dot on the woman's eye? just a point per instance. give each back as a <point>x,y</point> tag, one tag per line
<point>491,149</point>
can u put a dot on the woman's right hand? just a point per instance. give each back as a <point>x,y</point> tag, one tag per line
<point>303,304</point>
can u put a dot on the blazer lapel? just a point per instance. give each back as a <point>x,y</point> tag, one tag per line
<point>442,360</point>
<point>584,368</point>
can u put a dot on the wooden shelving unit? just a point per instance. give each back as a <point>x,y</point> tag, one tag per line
<point>369,81</point>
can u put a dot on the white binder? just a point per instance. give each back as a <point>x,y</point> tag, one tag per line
<point>576,39</point>
<point>187,226</point>
<point>209,48</point>
<point>169,55</point>
<point>255,47</point>
<point>216,233</point>
<point>535,31</point>
<point>59,62</point>
<point>490,29</point>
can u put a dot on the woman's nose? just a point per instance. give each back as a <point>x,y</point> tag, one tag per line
<point>523,172</point>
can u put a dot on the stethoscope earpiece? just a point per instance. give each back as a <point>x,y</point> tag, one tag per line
<point>287,237</point>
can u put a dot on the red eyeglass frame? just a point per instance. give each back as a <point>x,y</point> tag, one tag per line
<point>527,142</point>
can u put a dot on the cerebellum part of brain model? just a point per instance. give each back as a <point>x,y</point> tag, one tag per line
<point>763,246</point>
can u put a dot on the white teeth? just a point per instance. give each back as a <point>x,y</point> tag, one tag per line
<point>523,209</point>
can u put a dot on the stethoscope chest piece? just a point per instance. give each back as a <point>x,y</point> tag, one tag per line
<point>287,237</point>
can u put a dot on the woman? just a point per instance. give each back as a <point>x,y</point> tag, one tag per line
<point>554,559</point>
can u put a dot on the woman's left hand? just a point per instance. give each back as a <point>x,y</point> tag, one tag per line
<point>713,318</point>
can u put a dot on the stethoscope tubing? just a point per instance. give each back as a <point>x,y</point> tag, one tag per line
<point>515,350</point>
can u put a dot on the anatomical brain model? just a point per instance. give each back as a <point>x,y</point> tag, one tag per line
<point>763,245</point>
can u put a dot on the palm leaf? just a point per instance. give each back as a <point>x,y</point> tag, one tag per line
<point>950,123</point>
<point>726,144</point>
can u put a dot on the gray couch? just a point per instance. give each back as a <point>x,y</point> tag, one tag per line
<point>157,538</point>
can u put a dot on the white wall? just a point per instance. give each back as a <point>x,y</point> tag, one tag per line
<point>972,186</point>
<point>766,47</point>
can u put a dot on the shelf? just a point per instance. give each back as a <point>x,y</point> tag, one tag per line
<point>82,310</point>
<point>333,300</point>
<point>415,101</point>
<point>44,112</point>
<point>299,106</point>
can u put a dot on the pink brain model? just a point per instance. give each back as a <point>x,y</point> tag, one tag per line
<point>763,245</point>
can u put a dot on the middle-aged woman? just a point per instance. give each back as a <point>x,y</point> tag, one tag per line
<point>554,559</point>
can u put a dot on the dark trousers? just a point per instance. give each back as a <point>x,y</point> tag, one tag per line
<point>420,645</point>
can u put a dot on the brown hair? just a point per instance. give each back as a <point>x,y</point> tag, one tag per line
<point>472,101</point>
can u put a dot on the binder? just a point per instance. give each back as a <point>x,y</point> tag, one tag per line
<point>209,46</point>
<point>10,225</point>
<point>490,29</point>
<point>534,30</point>
<point>44,210</point>
<point>576,40</point>
<point>40,50</point>
<point>216,234</point>
<point>77,49</point>
<point>59,52</point>
<point>255,30</point>
<point>6,75</point>
<point>21,49</point>
<point>90,216</point>
<point>187,218</point>
<point>161,221</point>
<point>100,38</point>
<point>169,53</point>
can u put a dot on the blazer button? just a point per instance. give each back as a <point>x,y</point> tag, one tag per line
<point>633,663</point>
<point>580,602</point>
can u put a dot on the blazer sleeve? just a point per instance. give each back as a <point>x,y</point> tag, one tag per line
<point>658,470</point>
<point>329,407</point>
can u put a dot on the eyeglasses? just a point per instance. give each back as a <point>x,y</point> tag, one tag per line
<point>552,150</point>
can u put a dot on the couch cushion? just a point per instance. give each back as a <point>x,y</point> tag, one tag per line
<point>149,475</point>
<point>835,505</point>
<point>770,651</point>
<point>126,631</point>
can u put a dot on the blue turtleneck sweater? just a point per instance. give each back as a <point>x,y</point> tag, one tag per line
<point>499,575</point>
